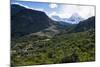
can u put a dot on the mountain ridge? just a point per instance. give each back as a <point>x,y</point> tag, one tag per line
<point>74,19</point>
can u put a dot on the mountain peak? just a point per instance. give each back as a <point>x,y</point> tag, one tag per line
<point>75,18</point>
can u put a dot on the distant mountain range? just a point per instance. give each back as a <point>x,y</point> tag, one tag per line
<point>74,19</point>
<point>26,21</point>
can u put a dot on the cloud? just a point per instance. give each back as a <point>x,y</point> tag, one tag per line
<point>83,11</point>
<point>53,14</point>
<point>87,11</point>
<point>53,5</point>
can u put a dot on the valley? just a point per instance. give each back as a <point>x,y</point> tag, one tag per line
<point>36,39</point>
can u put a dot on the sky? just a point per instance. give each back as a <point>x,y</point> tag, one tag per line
<point>61,10</point>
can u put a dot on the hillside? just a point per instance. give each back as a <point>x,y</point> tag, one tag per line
<point>27,21</point>
<point>86,25</point>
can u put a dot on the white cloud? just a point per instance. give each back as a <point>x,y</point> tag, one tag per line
<point>53,14</point>
<point>53,5</point>
<point>62,15</point>
<point>87,11</point>
<point>84,11</point>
